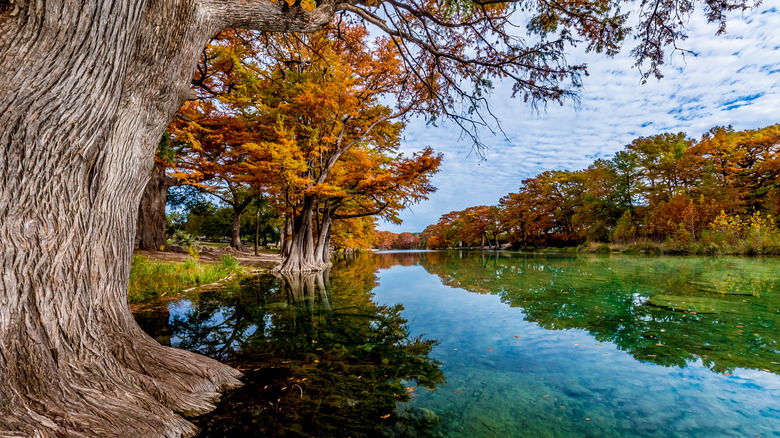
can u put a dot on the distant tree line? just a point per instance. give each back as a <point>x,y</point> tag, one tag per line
<point>390,240</point>
<point>721,191</point>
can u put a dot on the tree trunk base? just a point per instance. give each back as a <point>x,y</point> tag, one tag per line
<point>292,264</point>
<point>138,389</point>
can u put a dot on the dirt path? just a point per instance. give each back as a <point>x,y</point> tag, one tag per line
<point>262,260</point>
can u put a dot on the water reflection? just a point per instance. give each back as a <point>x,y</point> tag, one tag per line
<point>316,362</point>
<point>530,345</point>
<point>670,311</point>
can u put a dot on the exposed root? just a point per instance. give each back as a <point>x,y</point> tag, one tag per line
<point>186,382</point>
<point>94,401</point>
<point>291,265</point>
<point>138,390</point>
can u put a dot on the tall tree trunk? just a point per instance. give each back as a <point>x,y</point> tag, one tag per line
<point>86,90</point>
<point>327,245</point>
<point>150,228</point>
<point>322,250</point>
<point>285,235</point>
<point>283,238</point>
<point>235,230</point>
<point>91,99</point>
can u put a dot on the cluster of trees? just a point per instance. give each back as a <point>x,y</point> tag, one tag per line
<point>194,215</point>
<point>298,126</point>
<point>658,188</point>
<point>390,240</point>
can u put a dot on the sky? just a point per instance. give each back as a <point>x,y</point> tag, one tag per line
<point>733,79</point>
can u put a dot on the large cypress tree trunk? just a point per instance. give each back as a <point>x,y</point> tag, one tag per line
<point>86,90</point>
<point>92,97</point>
<point>300,247</point>
<point>150,228</point>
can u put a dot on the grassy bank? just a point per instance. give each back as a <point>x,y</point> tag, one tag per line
<point>746,247</point>
<point>150,279</point>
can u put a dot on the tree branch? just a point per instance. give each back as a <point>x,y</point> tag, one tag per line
<point>268,16</point>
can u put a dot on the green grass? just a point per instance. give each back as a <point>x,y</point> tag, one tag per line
<point>150,279</point>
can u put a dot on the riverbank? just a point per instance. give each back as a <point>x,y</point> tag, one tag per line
<point>156,274</point>
<point>266,258</point>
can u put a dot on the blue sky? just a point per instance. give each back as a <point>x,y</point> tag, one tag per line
<point>733,79</point>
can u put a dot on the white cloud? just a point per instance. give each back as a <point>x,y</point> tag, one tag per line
<point>733,79</point>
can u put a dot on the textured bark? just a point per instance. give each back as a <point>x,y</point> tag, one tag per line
<point>86,90</point>
<point>322,250</point>
<point>285,236</point>
<point>150,228</point>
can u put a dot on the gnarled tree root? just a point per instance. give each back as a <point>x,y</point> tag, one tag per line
<point>138,391</point>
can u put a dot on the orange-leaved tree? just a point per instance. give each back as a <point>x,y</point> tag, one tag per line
<point>329,148</point>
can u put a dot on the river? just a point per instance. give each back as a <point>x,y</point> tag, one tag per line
<point>472,344</point>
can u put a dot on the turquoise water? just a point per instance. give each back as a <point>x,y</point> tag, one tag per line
<point>486,344</point>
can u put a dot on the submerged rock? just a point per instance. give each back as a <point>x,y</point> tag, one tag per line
<point>423,415</point>
<point>576,391</point>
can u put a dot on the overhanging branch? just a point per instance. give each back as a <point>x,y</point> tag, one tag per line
<point>268,16</point>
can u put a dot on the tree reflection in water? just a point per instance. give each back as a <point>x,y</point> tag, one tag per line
<point>670,311</point>
<point>316,362</point>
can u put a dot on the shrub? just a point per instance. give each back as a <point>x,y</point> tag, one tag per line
<point>229,263</point>
<point>594,247</point>
<point>643,246</point>
<point>624,229</point>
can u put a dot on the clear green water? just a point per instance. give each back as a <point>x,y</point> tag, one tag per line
<point>485,344</point>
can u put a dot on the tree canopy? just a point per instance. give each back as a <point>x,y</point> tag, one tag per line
<point>304,120</point>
